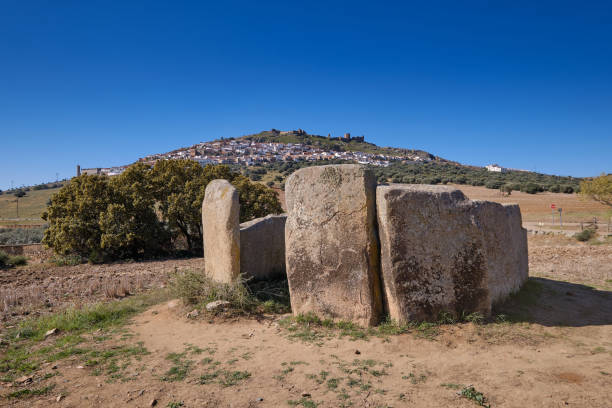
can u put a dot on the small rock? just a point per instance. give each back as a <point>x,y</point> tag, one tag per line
<point>24,380</point>
<point>259,399</point>
<point>217,304</point>
<point>80,367</point>
<point>193,314</point>
<point>59,398</point>
<point>153,402</point>
<point>54,367</point>
<point>357,352</point>
<point>51,332</point>
<point>306,395</point>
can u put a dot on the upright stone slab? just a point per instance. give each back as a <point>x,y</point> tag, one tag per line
<point>221,229</point>
<point>331,244</point>
<point>262,247</point>
<point>505,245</point>
<point>443,252</point>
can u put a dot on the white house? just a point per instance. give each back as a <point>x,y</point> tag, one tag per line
<point>496,168</point>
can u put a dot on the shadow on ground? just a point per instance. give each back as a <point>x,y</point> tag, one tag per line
<point>557,303</point>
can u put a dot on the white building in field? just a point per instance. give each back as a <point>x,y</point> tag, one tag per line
<point>496,168</point>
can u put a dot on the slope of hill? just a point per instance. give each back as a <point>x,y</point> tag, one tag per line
<point>335,144</point>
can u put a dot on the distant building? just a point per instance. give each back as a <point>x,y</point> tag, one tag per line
<point>496,168</point>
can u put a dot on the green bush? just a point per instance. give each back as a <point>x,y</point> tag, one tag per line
<point>7,261</point>
<point>494,184</point>
<point>585,235</point>
<point>3,259</point>
<point>145,212</point>
<point>17,260</point>
<point>531,188</point>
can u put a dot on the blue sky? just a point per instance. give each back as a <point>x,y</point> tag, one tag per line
<point>103,83</point>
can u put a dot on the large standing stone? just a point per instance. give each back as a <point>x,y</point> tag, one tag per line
<point>443,252</point>
<point>262,247</point>
<point>331,245</point>
<point>220,221</point>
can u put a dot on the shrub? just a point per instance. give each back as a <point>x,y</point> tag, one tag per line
<point>3,259</point>
<point>531,188</point>
<point>9,261</point>
<point>17,260</point>
<point>143,212</point>
<point>568,189</point>
<point>585,235</point>
<point>494,184</point>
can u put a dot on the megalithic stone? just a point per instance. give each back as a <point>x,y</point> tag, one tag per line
<point>221,229</point>
<point>441,252</point>
<point>331,244</point>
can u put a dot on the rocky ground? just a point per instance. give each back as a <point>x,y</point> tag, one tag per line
<point>549,346</point>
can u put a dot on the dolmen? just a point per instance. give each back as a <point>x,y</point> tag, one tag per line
<point>355,251</point>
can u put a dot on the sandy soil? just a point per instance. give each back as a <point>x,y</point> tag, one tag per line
<point>558,354</point>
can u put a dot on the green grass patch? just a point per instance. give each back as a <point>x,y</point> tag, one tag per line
<point>225,378</point>
<point>472,394</point>
<point>30,392</point>
<point>181,367</point>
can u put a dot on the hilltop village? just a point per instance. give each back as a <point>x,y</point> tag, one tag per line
<point>248,152</point>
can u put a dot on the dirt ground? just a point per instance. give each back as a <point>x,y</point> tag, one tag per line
<point>556,351</point>
<point>39,288</point>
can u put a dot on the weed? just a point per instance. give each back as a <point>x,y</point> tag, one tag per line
<point>391,327</point>
<point>414,379</point>
<point>585,235</point>
<point>476,318</point>
<point>427,330</point>
<point>472,394</point>
<point>195,287</point>
<point>332,383</point>
<point>224,377</point>
<point>25,393</point>
<point>305,402</point>
<point>451,386</point>
<point>180,369</point>
<point>66,260</point>
<point>174,404</point>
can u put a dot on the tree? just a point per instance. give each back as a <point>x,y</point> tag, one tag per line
<point>74,216</point>
<point>598,189</point>
<point>179,187</point>
<point>130,227</point>
<point>506,189</point>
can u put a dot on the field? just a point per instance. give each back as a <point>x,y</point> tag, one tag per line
<point>549,346</point>
<point>30,207</point>
<point>536,207</point>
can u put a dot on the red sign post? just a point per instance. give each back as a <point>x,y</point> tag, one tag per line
<point>552,208</point>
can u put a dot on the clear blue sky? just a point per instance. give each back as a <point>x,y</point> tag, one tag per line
<point>521,83</point>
